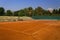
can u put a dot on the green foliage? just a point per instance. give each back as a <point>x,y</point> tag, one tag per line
<point>9,13</point>
<point>55,12</point>
<point>16,13</point>
<point>30,11</point>
<point>39,11</point>
<point>59,10</point>
<point>2,11</point>
<point>21,13</point>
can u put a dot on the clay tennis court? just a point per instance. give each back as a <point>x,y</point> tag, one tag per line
<point>30,30</point>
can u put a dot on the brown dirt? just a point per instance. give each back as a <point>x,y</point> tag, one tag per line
<point>30,30</point>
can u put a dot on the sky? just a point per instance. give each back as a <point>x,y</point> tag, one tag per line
<point>20,4</point>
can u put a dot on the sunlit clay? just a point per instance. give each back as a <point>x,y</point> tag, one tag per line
<point>30,30</point>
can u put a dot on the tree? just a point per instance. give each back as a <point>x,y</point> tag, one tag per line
<point>2,11</point>
<point>30,11</point>
<point>21,13</point>
<point>39,10</point>
<point>26,11</point>
<point>9,13</point>
<point>16,13</point>
<point>59,10</point>
<point>55,12</point>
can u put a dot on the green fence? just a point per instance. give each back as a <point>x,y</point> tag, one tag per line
<point>46,17</point>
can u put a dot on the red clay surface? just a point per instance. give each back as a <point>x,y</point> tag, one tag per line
<point>30,30</point>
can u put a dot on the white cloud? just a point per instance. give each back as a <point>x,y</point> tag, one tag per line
<point>50,8</point>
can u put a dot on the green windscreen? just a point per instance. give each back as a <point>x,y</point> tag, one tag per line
<point>46,17</point>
